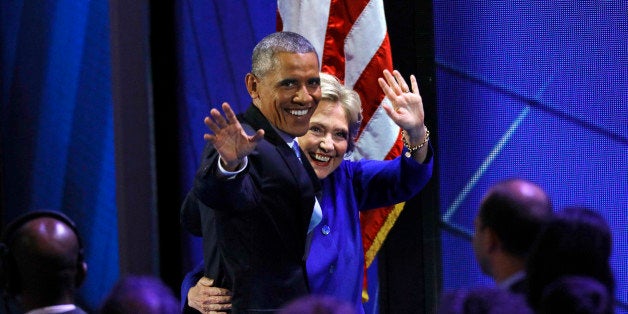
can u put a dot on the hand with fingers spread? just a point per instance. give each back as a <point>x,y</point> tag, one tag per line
<point>229,138</point>
<point>406,110</point>
<point>407,106</point>
<point>206,298</point>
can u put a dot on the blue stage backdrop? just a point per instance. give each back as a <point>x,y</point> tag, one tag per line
<point>532,89</point>
<point>56,124</point>
<point>214,44</point>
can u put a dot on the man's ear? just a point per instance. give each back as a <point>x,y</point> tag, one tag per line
<point>493,242</point>
<point>81,273</point>
<point>251,85</point>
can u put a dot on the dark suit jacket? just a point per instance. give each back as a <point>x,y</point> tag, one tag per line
<point>518,287</point>
<point>200,220</point>
<point>261,219</point>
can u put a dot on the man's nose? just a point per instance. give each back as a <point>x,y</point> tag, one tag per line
<point>303,95</point>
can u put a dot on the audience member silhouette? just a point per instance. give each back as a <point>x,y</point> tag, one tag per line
<point>577,242</point>
<point>575,295</point>
<point>42,262</point>
<point>483,301</point>
<point>140,295</point>
<point>317,304</point>
<point>509,219</point>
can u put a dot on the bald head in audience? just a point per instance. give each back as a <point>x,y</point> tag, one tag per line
<point>44,260</point>
<point>510,218</point>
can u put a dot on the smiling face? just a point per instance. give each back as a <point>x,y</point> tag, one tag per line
<point>325,143</point>
<point>289,93</point>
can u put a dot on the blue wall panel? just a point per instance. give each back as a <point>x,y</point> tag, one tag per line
<point>532,89</point>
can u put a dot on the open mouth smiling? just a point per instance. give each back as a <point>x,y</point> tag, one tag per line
<point>299,113</point>
<point>320,158</point>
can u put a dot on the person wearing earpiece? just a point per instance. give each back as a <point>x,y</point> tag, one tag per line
<point>43,263</point>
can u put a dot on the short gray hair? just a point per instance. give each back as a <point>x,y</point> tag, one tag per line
<point>264,60</point>
<point>333,90</point>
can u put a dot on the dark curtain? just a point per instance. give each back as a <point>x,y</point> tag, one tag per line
<point>56,124</point>
<point>214,43</point>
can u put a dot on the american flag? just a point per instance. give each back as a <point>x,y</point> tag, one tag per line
<point>356,49</point>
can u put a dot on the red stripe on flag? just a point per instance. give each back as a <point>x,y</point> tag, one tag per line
<point>342,15</point>
<point>367,87</point>
<point>279,22</point>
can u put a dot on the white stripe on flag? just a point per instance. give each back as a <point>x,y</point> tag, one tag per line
<point>314,28</point>
<point>378,137</point>
<point>364,39</point>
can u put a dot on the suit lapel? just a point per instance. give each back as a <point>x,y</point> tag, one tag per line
<point>253,116</point>
<point>309,185</point>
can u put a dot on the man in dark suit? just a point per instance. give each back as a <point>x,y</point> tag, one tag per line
<point>510,218</point>
<point>254,183</point>
<point>43,262</point>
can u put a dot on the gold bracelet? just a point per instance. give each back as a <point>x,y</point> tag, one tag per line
<point>412,149</point>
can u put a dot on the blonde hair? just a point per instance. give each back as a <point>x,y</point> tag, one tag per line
<point>333,90</point>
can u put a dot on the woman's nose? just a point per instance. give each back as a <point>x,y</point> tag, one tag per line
<point>326,144</point>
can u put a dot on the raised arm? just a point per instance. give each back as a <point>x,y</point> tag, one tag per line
<point>407,112</point>
<point>229,138</point>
